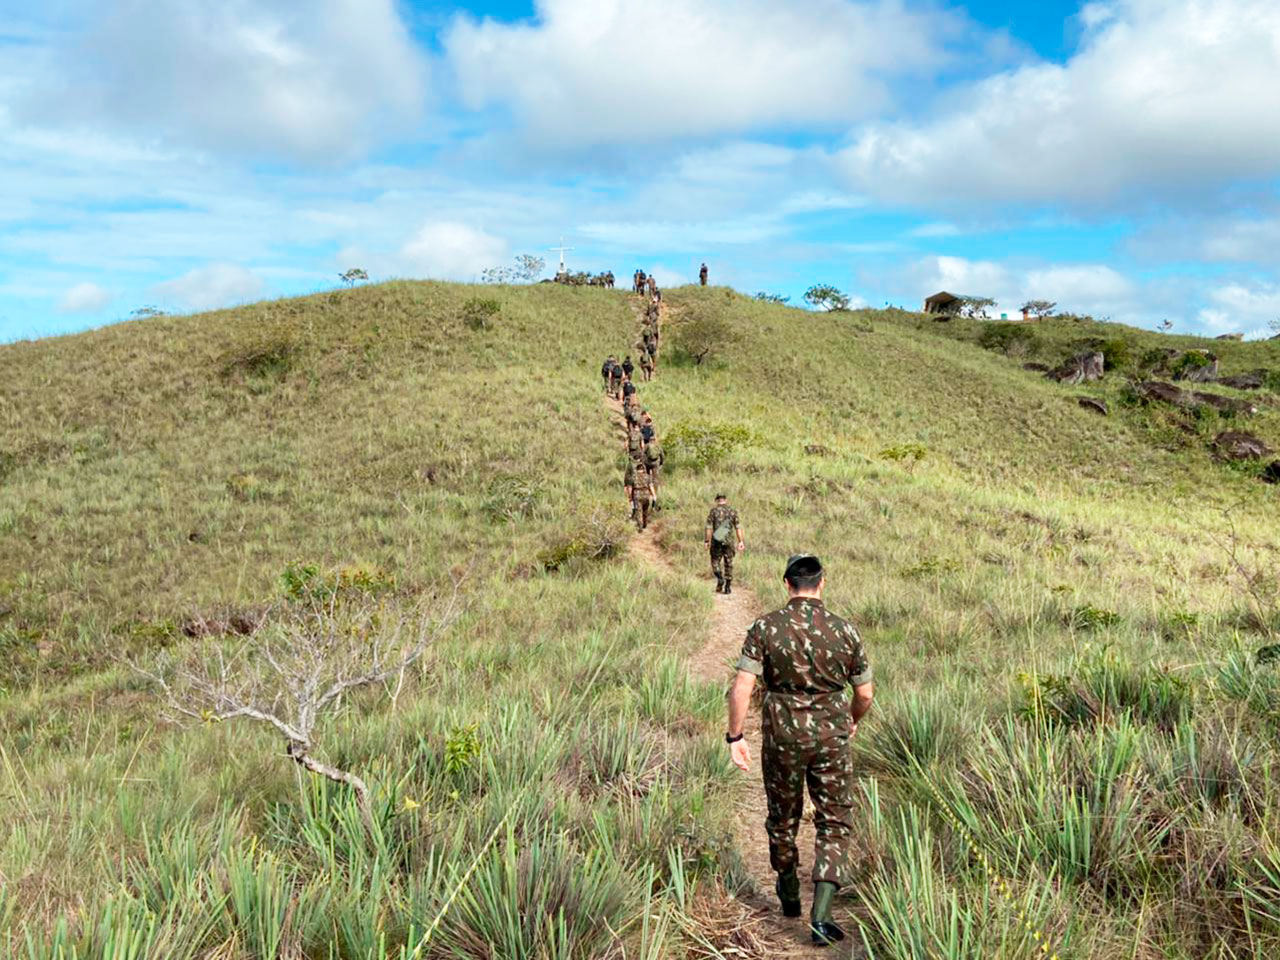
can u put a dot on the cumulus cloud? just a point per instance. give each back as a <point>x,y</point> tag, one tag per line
<point>1238,307</point>
<point>210,287</point>
<point>616,71</point>
<point>1080,288</point>
<point>1165,98</point>
<point>316,81</point>
<point>446,250</point>
<point>84,298</point>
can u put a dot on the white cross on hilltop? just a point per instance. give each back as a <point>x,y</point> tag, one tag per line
<point>562,248</point>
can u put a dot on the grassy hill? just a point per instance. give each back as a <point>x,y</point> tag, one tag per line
<point>1063,611</point>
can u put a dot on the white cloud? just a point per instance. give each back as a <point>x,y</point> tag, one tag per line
<point>1245,241</point>
<point>211,287</point>
<point>84,298</point>
<point>1094,289</point>
<point>445,250</point>
<point>622,71</point>
<point>936,229</point>
<point>1247,309</point>
<point>1092,286</point>
<point>319,80</point>
<point>1165,98</point>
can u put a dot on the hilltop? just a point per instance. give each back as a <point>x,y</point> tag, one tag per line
<point>1063,609</point>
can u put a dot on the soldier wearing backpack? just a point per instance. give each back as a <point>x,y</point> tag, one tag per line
<point>653,461</point>
<point>638,486</point>
<point>723,530</point>
<point>606,372</point>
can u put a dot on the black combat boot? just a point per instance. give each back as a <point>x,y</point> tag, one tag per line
<point>728,586</point>
<point>788,891</point>
<point>719,584</point>
<point>823,930</point>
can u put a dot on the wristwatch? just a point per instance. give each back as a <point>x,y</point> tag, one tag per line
<point>729,739</point>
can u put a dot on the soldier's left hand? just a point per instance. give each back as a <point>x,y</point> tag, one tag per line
<point>740,753</point>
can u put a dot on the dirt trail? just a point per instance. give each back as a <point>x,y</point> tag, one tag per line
<point>713,662</point>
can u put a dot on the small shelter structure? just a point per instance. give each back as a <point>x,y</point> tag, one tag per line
<point>943,303</point>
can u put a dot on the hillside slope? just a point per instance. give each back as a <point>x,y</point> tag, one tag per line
<point>1048,594</point>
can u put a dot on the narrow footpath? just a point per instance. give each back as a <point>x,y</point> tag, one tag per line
<point>714,662</point>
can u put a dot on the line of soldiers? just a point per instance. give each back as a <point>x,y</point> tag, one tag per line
<point>645,283</point>
<point>644,453</point>
<point>812,663</point>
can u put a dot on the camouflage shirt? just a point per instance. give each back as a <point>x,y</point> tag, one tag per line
<point>636,477</point>
<point>722,513</point>
<point>809,658</point>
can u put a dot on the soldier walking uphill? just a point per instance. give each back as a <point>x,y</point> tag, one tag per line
<point>702,275</point>
<point>606,373</point>
<point>723,531</point>
<point>808,659</point>
<point>638,487</point>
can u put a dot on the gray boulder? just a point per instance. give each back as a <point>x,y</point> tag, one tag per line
<point>1237,445</point>
<point>1200,367</point>
<point>1245,381</point>
<point>1157,391</point>
<point>1094,404</point>
<point>1082,368</point>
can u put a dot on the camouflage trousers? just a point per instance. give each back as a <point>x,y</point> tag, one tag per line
<point>722,560</point>
<point>640,508</point>
<point>826,767</point>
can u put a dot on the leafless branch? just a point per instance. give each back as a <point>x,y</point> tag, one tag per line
<point>298,667</point>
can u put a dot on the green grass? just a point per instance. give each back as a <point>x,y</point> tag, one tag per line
<point>1063,645</point>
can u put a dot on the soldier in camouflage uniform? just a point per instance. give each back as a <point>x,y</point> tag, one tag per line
<point>808,658</point>
<point>638,487</point>
<point>647,365</point>
<point>723,520</point>
<point>635,441</point>
<point>653,461</point>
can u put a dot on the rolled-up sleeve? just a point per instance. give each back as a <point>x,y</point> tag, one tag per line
<point>752,658</point>
<point>860,666</point>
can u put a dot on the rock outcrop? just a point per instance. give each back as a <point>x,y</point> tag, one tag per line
<point>1230,336</point>
<point>1236,445</point>
<point>1082,368</point>
<point>1245,381</point>
<point>1197,366</point>
<point>1157,391</point>
<point>1094,404</point>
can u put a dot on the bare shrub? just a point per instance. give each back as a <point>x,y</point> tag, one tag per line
<point>298,668</point>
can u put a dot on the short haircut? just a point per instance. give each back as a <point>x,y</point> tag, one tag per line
<point>804,572</point>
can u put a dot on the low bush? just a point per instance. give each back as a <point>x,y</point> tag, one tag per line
<point>702,445</point>
<point>1013,339</point>
<point>1088,617</point>
<point>598,538</point>
<point>512,497</point>
<point>1116,354</point>
<point>1104,689</point>
<point>909,454</point>
<point>479,313</point>
<point>305,581</point>
<point>1191,360</point>
<point>267,361</point>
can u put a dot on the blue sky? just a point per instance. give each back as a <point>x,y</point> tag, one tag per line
<point>1119,157</point>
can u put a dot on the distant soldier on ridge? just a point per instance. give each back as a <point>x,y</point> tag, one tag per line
<point>809,658</point>
<point>702,275</point>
